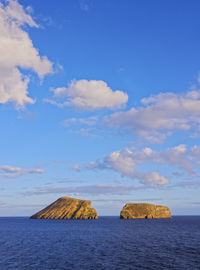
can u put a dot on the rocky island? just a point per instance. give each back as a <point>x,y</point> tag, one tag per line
<point>144,210</point>
<point>67,208</point>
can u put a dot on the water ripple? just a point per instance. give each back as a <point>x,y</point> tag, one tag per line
<point>104,244</point>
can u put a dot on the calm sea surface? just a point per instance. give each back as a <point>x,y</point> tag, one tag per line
<point>106,243</point>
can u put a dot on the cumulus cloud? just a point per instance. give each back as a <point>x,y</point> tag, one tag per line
<point>178,156</point>
<point>14,172</point>
<point>159,116</point>
<point>88,95</point>
<point>18,53</point>
<point>126,162</point>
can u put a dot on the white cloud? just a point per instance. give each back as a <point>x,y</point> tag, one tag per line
<point>88,95</point>
<point>126,162</point>
<point>37,170</point>
<point>81,123</point>
<point>14,172</point>
<point>89,121</point>
<point>17,51</point>
<point>88,132</point>
<point>150,178</point>
<point>122,161</point>
<point>178,156</point>
<point>160,116</point>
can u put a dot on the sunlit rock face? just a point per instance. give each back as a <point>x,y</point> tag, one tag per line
<point>67,208</point>
<point>144,210</point>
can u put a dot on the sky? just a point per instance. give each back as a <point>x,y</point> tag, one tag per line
<point>99,100</point>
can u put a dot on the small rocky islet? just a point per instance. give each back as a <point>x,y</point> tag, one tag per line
<point>70,208</point>
<point>67,208</point>
<point>144,210</point>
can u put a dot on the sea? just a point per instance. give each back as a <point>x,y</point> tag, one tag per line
<point>108,243</point>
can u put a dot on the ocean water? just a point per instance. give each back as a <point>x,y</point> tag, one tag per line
<point>107,243</point>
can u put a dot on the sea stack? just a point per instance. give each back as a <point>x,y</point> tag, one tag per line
<point>144,210</point>
<point>67,208</point>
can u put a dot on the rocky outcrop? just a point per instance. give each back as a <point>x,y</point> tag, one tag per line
<point>144,210</point>
<point>67,208</point>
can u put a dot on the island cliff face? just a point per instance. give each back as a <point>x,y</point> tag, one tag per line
<point>144,210</point>
<point>67,208</point>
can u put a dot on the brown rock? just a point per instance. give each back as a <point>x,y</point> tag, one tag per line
<point>144,210</point>
<point>67,208</point>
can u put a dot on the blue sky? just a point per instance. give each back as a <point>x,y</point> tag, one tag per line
<point>99,100</point>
